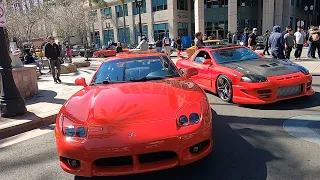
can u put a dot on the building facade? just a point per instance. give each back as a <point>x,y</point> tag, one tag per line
<point>185,17</point>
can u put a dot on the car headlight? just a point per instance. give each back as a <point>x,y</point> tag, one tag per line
<point>304,70</point>
<point>253,78</point>
<point>72,128</point>
<point>193,114</point>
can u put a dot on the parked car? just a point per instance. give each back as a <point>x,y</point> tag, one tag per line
<point>138,114</point>
<point>78,50</point>
<point>240,75</point>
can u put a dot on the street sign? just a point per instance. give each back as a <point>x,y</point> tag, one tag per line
<point>3,17</point>
<point>300,23</point>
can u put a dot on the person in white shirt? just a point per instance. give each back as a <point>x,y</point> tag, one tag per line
<point>143,45</point>
<point>299,42</point>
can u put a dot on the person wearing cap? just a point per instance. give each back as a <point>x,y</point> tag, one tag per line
<point>252,41</point>
<point>52,52</point>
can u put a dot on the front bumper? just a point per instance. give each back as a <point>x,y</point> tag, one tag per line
<point>89,155</point>
<point>267,92</point>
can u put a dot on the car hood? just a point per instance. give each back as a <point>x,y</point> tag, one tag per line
<point>127,103</point>
<point>264,67</point>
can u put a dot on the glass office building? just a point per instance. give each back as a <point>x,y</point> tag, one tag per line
<point>213,17</point>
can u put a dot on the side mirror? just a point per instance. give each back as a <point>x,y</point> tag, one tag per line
<point>80,82</point>
<point>207,62</point>
<point>191,72</point>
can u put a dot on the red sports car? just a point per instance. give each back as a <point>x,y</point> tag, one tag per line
<point>138,114</point>
<point>240,75</point>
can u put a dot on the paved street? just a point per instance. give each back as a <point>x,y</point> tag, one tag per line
<point>251,143</point>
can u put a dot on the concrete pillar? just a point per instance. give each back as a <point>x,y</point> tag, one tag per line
<point>130,22</point>
<point>199,15</point>
<point>190,21</point>
<point>114,23</point>
<point>101,27</point>
<point>232,16</point>
<point>173,28</point>
<point>278,14</point>
<point>150,21</point>
<point>268,15</point>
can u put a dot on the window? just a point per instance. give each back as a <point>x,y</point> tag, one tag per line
<point>136,69</point>
<point>108,36</point>
<point>106,11</point>
<point>182,5</point>
<point>159,30</point>
<point>201,57</point>
<point>292,2</point>
<point>97,38</point>
<point>159,5</point>
<point>248,3</point>
<point>143,9</point>
<point>119,10</point>
<point>137,33</point>
<point>182,29</point>
<point>124,37</point>
<point>234,55</point>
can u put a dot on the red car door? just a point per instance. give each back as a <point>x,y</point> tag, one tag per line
<point>200,61</point>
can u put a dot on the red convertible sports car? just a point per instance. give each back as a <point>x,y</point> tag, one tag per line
<point>240,75</point>
<point>138,114</point>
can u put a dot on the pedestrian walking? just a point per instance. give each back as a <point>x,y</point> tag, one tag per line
<point>52,52</point>
<point>236,37</point>
<point>166,43</point>
<point>289,43</point>
<point>266,42</point>
<point>299,42</point>
<point>245,37</point>
<point>69,53</point>
<point>119,47</point>
<point>276,43</point>
<point>309,40</point>
<point>198,40</point>
<point>158,45</point>
<point>179,46</point>
<point>252,41</point>
<point>229,37</point>
<point>286,31</point>
<point>315,44</point>
<point>143,45</point>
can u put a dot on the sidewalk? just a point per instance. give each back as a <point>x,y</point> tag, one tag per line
<point>43,107</point>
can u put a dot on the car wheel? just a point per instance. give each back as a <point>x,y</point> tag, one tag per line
<point>224,88</point>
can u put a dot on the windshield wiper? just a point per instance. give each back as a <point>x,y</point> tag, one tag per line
<point>108,82</point>
<point>151,78</point>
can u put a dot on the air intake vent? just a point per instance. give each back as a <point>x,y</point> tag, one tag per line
<point>274,64</point>
<point>265,65</point>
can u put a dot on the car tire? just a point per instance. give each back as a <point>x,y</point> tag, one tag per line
<point>81,178</point>
<point>224,88</point>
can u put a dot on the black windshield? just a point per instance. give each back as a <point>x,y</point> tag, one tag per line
<point>135,69</point>
<point>234,55</point>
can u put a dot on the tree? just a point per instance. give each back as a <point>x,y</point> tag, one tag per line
<point>25,24</point>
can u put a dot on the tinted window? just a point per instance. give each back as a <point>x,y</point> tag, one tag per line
<point>234,55</point>
<point>135,69</point>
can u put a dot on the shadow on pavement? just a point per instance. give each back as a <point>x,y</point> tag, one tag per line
<point>232,158</point>
<point>45,96</point>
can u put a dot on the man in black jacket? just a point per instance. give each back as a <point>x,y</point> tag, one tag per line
<point>52,52</point>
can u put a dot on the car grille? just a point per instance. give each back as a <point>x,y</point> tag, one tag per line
<point>290,91</point>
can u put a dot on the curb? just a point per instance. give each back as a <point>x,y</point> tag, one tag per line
<point>28,126</point>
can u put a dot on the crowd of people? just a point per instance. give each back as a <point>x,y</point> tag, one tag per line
<point>280,43</point>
